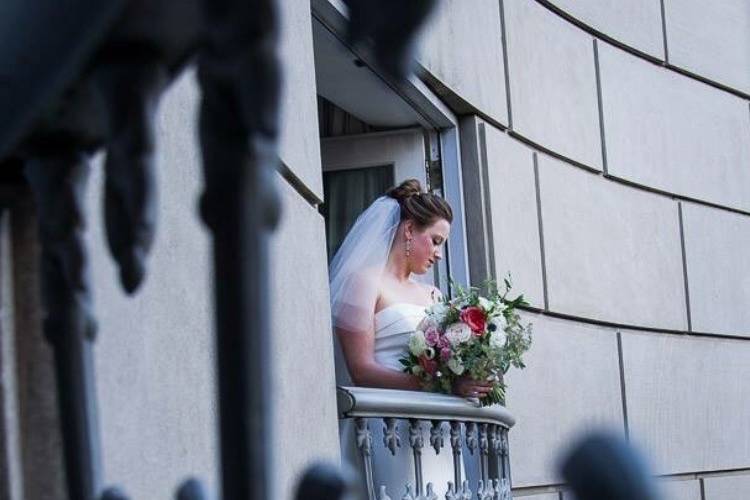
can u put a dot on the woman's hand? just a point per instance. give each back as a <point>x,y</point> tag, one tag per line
<point>470,388</point>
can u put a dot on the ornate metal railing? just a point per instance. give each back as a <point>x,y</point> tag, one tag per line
<point>481,431</point>
<point>85,76</point>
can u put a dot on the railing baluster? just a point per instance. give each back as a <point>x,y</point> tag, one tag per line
<point>504,453</point>
<point>416,441</point>
<point>456,446</point>
<point>364,443</point>
<point>503,490</point>
<point>430,494</point>
<point>489,490</point>
<point>496,461</point>
<point>383,494</point>
<point>505,482</point>
<point>451,494</point>
<point>408,494</point>
<point>483,452</point>
<point>391,439</point>
<point>437,438</point>
<point>472,440</point>
<point>465,491</point>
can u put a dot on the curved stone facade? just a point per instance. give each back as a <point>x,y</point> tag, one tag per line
<point>619,198</point>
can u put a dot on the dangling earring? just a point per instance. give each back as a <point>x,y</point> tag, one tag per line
<point>408,247</point>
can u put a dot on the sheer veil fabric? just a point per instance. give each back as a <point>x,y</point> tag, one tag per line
<point>358,266</point>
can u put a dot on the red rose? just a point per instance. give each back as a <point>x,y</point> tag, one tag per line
<point>475,318</point>
<point>428,365</point>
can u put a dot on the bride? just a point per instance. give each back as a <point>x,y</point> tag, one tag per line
<point>376,305</point>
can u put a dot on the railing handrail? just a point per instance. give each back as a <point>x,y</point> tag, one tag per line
<point>372,402</point>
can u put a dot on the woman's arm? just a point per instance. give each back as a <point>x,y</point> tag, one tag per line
<point>365,371</point>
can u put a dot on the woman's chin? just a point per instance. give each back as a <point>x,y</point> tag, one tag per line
<point>422,271</point>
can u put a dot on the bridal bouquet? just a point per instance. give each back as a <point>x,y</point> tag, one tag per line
<point>469,336</point>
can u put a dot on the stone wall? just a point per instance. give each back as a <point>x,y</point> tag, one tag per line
<point>614,142</point>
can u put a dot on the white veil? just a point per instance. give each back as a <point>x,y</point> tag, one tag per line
<point>358,265</point>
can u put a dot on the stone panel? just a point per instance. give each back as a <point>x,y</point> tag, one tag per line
<point>711,40</point>
<point>716,243</point>
<point>463,49</point>
<point>573,369</point>
<point>155,351</point>
<point>304,398</point>
<point>672,133</point>
<point>686,400</point>
<point>515,227</point>
<point>300,142</point>
<point>543,496</point>
<point>735,487</point>
<point>669,489</point>
<point>552,82</point>
<point>636,23</point>
<point>473,180</point>
<point>680,489</point>
<point>612,252</point>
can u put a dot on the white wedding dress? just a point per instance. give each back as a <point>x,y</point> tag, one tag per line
<point>393,326</point>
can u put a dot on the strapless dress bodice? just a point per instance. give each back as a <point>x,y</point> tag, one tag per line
<point>393,326</point>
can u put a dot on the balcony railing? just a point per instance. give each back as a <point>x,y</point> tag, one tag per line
<point>481,431</point>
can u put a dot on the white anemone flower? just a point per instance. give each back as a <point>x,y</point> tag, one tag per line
<point>497,323</point>
<point>498,338</point>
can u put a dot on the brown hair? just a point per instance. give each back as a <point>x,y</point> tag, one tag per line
<point>421,207</point>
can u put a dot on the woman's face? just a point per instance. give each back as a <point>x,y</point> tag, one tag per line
<point>427,245</point>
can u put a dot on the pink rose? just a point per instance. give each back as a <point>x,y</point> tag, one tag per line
<point>445,353</point>
<point>443,342</point>
<point>475,318</point>
<point>432,336</point>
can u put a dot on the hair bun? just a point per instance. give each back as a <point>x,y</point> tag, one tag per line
<point>406,189</point>
<point>419,206</point>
